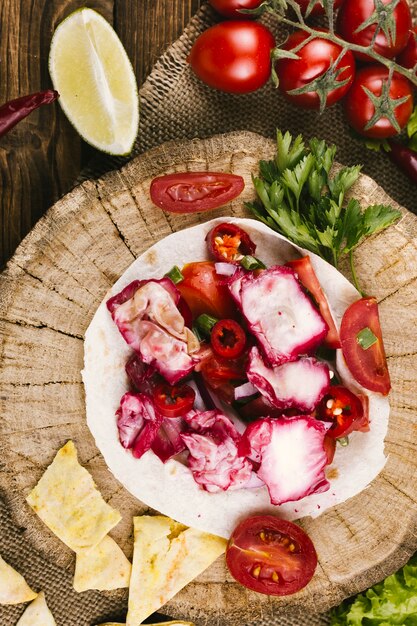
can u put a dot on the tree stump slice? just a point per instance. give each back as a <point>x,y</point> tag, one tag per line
<point>50,291</point>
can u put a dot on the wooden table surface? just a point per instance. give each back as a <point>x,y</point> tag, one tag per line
<point>42,156</point>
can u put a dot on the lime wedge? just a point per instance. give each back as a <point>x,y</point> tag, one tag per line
<point>90,69</point>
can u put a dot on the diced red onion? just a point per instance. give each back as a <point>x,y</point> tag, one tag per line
<point>225,269</point>
<point>245,390</point>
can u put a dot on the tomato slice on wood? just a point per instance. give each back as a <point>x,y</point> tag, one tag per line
<point>228,339</point>
<point>205,291</point>
<point>343,409</point>
<point>173,401</point>
<point>271,555</point>
<point>309,280</point>
<point>368,365</point>
<point>229,243</point>
<point>189,192</point>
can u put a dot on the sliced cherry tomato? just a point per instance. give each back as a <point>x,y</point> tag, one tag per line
<point>229,243</point>
<point>271,555</point>
<point>354,13</point>
<point>314,60</point>
<point>223,375</point>
<point>359,108</point>
<point>190,192</point>
<point>408,56</point>
<point>233,56</point>
<point>173,401</point>
<point>367,365</point>
<point>308,278</point>
<point>205,291</point>
<point>343,409</point>
<point>231,8</point>
<point>228,339</point>
<point>318,8</point>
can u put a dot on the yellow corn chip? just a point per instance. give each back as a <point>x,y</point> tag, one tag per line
<point>37,613</point>
<point>166,557</point>
<point>103,567</point>
<point>13,587</point>
<point>175,623</point>
<point>68,502</point>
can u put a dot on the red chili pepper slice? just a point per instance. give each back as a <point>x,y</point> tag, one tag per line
<point>173,401</point>
<point>344,409</point>
<point>229,243</point>
<point>12,112</point>
<point>228,339</point>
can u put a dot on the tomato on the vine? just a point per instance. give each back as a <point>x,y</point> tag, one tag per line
<point>311,70</point>
<point>271,555</point>
<point>395,100</point>
<point>357,22</point>
<point>231,8</point>
<point>318,8</point>
<point>233,56</point>
<point>408,56</point>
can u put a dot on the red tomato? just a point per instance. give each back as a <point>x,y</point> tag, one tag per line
<point>367,366</point>
<point>318,8</point>
<point>173,401</point>
<point>308,278</point>
<point>231,8</point>
<point>228,339</point>
<point>408,56</point>
<point>315,59</point>
<point>228,243</point>
<point>359,108</point>
<point>271,555</point>
<point>233,56</point>
<point>204,291</point>
<point>343,409</point>
<point>189,192</point>
<point>354,13</point>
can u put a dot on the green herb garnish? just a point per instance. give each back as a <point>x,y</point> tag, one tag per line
<point>252,263</point>
<point>302,200</point>
<point>204,324</point>
<point>366,338</point>
<point>175,275</point>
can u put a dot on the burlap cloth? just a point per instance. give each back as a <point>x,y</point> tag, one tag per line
<point>175,105</point>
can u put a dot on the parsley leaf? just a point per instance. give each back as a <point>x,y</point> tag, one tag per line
<point>299,196</point>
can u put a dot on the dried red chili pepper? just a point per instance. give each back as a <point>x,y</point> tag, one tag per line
<point>15,110</point>
<point>404,158</point>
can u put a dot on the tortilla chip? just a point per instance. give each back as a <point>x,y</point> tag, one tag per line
<point>176,623</point>
<point>68,502</point>
<point>37,613</point>
<point>13,587</point>
<point>166,557</point>
<point>103,567</point>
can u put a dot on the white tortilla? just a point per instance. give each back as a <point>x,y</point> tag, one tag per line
<point>170,488</point>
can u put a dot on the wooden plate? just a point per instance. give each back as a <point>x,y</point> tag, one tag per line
<point>50,291</point>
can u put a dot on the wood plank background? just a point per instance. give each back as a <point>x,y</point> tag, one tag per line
<point>42,156</point>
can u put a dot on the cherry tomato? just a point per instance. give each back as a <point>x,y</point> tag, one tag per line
<point>173,401</point>
<point>408,56</point>
<point>342,408</point>
<point>367,365</point>
<point>229,243</point>
<point>307,277</point>
<point>223,375</point>
<point>314,60</point>
<point>354,13</point>
<point>233,56</point>
<point>271,555</point>
<point>231,8</point>
<point>228,339</point>
<point>318,8</point>
<point>359,108</point>
<point>189,192</point>
<point>205,292</point>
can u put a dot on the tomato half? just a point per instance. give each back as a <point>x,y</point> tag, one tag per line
<point>190,192</point>
<point>228,339</point>
<point>307,277</point>
<point>229,243</point>
<point>231,8</point>
<point>343,409</point>
<point>271,555</point>
<point>359,108</point>
<point>233,56</point>
<point>368,366</point>
<point>354,13</point>
<point>173,401</point>
<point>204,291</point>
<point>318,8</point>
<point>408,56</point>
<point>314,60</point>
